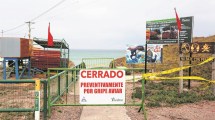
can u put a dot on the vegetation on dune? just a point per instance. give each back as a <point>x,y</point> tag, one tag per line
<point>171,60</point>
<point>165,93</point>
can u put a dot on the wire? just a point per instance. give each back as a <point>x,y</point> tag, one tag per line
<point>75,2</point>
<point>21,30</point>
<point>59,12</point>
<point>14,28</point>
<point>48,10</point>
<point>36,16</point>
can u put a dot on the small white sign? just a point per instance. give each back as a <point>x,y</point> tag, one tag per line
<point>102,87</point>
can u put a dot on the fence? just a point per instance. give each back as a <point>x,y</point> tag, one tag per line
<point>17,99</point>
<point>63,88</point>
<point>60,82</point>
<point>98,62</point>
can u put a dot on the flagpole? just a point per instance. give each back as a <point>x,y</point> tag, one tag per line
<point>181,71</point>
<point>181,55</point>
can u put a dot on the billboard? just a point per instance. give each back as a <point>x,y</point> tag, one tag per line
<point>166,31</point>
<point>136,54</point>
<point>102,87</point>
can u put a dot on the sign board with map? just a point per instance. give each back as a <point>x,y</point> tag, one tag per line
<point>203,47</point>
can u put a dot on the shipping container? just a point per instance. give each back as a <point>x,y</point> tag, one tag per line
<point>44,59</point>
<point>13,47</point>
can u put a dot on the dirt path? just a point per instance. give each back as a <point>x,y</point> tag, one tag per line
<point>204,110</point>
<point>104,113</point>
<point>195,111</point>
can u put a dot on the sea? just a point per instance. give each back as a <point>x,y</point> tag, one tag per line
<point>77,55</point>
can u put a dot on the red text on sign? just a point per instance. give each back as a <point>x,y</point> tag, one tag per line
<point>101,74</point>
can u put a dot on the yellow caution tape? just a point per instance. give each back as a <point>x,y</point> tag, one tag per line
<point>206,61</point>
<point>153,76</point>
<point>176,69</point>
<point>176,78</point>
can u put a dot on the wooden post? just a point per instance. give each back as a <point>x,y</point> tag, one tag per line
<point>180,75</point>
<point>180,89</point>
<point>213,75</point>
<point>37,99</point>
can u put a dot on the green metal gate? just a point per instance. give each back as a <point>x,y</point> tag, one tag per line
<point>63,87</point>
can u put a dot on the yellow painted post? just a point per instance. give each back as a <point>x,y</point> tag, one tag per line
<point>213,75</point>
<point>37,99</point>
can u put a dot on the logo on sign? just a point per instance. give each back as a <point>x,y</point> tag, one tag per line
<point>206,48</point>
<point>195,48</point>
<point>203,47</point>
<point>83,99</point>
<point>116,99</point>
<point>185,20</point>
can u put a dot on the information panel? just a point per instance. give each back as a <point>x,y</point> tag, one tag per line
<point>166,31</point>
<point>102,87</point>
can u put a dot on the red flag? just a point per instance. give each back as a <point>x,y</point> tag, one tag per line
<point>50,37</point>
<point>178,21</point>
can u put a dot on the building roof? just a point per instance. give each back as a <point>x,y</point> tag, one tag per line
<point>61,44</point>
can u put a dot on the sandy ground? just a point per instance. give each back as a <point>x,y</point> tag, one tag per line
<point>104,113</point>
<point>197,111</point>
<point>68,112</point>
<point>204,110</point>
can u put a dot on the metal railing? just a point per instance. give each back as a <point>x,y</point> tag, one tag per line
<point>98,62</point>
<point>60,82</point>
<point>19,96</point>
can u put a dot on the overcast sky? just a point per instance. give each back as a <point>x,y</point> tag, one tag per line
<point>101,24</point>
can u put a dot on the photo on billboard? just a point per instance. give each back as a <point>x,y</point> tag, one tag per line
<point>135,54</point>
<point>154,53</point>
<point>166,31</point>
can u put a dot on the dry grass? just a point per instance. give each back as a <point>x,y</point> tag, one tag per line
<point>171,60</point>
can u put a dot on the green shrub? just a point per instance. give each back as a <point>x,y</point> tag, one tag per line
<point>138,93</point>
<point>153,104</point>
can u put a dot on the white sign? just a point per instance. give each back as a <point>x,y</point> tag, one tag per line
<point>102,87</point>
